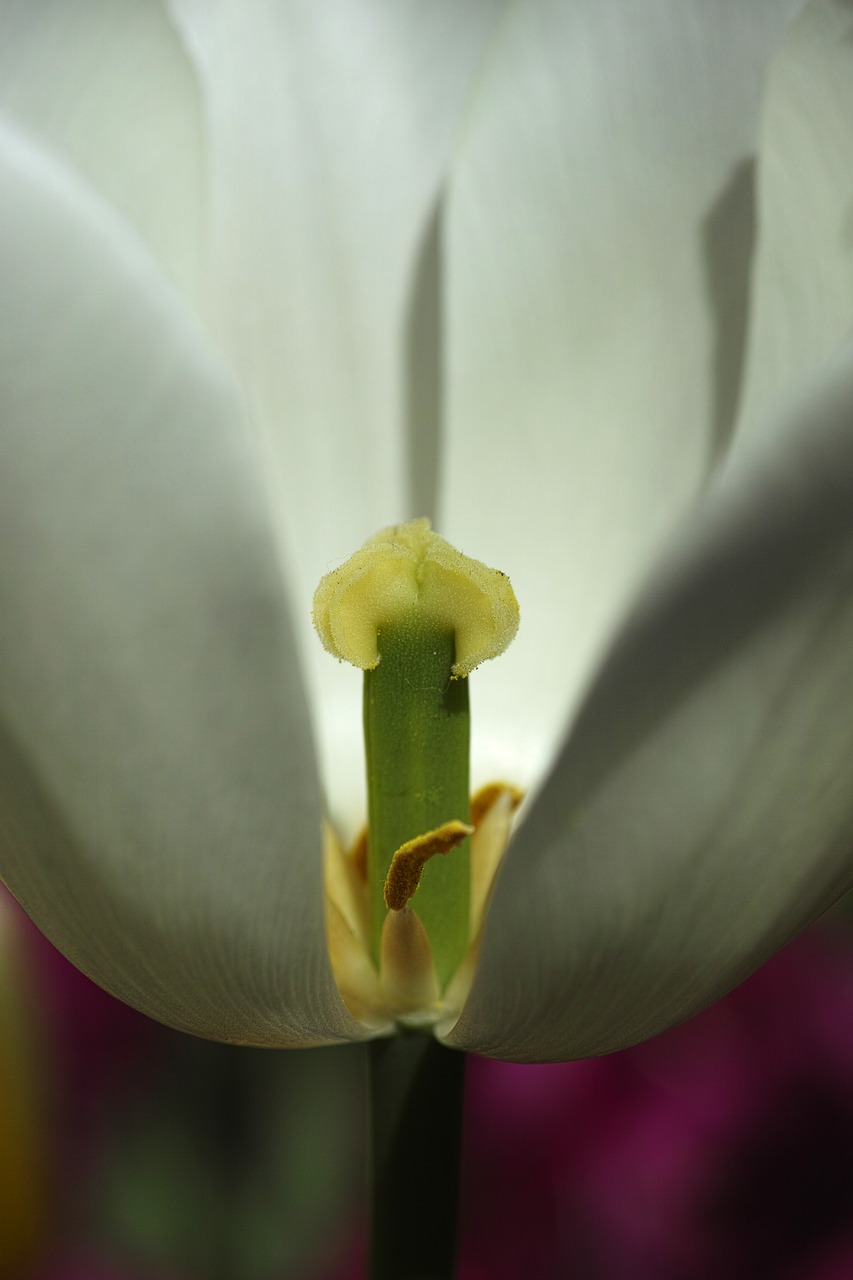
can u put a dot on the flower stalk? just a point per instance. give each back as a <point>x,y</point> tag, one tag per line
<point>416,1104</point>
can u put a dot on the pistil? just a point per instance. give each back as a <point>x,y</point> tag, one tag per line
<point>417,616</point>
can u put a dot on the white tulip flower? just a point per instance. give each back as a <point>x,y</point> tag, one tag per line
<point>574,278</point>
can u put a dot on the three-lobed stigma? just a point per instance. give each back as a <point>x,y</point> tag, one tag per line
<point>409,569</point>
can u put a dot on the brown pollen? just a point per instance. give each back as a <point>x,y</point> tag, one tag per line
<point>483,799</point>
<point>404,873</point>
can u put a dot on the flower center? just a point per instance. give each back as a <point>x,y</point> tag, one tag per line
<point>417,616</point>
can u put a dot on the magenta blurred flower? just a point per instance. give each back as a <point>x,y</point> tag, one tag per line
<point>94,1040</point>
<point>723,1148</point>
<point>169,1158</point>
<point>83,1048</point>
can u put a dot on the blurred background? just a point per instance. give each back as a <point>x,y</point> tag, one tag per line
<point>721,1149</point>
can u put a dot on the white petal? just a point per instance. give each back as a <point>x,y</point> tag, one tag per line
<point>107,84</point>
<point>599,233</point>
<point>701,812</point>
<point>330,126</point>
<point>804,271</point>
<point>159,806</point>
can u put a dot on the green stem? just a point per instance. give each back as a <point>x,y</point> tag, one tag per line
<point>416,1097</point>
<point>416,737</point>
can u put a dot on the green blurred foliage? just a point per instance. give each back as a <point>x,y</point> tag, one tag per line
<point>235,1162</point>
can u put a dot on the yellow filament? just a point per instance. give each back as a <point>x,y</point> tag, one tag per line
<point>357,855</point>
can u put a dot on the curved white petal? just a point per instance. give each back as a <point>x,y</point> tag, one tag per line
<point>701,811</point>
<point>803,290</point>
<point>599,237</point>
<point>159,806</point>
<point>108,86</point>
<point>330,127</point>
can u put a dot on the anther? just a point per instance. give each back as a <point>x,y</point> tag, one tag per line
<point>404,873</point>
<point>487,796</point>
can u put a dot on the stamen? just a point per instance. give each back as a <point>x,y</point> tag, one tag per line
<point>344,886</point>
<point>404,874</point>
<point>482,800</point>
<point>355,975</point>
<point>494,805</point>
<point>407,978</point>
<point>357,855</point>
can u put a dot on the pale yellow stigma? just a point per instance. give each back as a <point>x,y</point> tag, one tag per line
<point>408,566</point>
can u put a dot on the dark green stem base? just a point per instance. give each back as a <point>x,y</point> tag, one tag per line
<point>416,1097</point>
